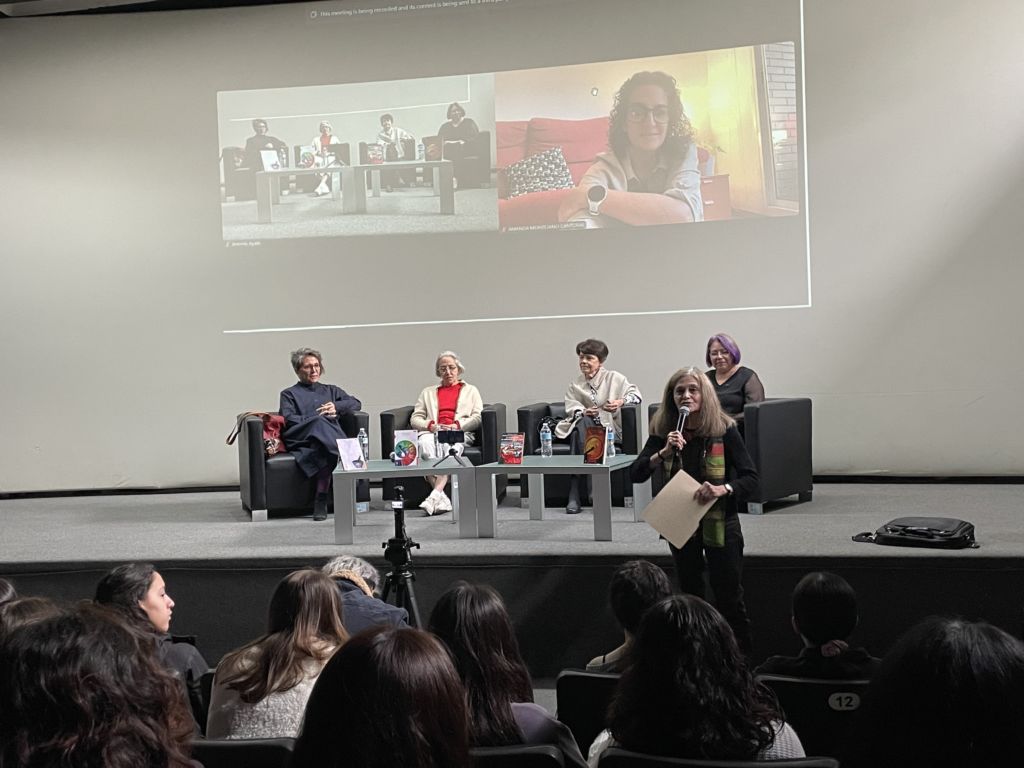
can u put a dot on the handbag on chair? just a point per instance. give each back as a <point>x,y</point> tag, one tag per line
<point>273,425</point>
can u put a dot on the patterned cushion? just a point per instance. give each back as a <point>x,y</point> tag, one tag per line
<point>538,173</point>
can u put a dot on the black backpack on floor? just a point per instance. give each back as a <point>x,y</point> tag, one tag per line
<point>939,532</point>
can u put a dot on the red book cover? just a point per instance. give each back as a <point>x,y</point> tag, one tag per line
<point>593,445</point>
<point>511,448</point>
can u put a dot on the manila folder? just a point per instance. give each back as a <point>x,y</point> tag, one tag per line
<point>674,513</point>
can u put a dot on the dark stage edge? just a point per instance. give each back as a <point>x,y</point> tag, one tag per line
<point>221,568</point>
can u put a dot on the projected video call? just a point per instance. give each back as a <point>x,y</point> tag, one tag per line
<point>689,138</point>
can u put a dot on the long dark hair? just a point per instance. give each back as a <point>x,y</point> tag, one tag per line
<point>304,623</point>
<point>84,688</point>
<point>680,131</point>
<point>473,622</point>
<point>949,694</point>
<point>123,587</point>
<point>390,697</point>
<point>687,691</point>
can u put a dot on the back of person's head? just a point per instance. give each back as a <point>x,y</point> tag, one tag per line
<point>83,688</point>
<point>304,623</point>
<point>124,587</point>
<point>7,591</point>
<point>950,694</point>
<point>687,691</point>
<point>390,697</point>
<point>25,610</point>
<point>345,566</point>
<point>635,587</point>
<point>824,608</point>
<point>473,622</point>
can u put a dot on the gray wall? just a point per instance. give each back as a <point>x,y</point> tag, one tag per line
<point>115,286</point>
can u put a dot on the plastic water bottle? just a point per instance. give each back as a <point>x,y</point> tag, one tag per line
<point>545,441</point>
<point>609,442</point>
<point>421,151</point>
<point>364,444</point>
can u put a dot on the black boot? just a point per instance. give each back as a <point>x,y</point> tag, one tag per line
<point>320,506</point>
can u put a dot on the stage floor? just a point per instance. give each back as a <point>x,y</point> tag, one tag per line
<point>212,526</point>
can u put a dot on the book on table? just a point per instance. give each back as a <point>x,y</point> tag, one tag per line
<point>594,445</point>
<point>511,449</point>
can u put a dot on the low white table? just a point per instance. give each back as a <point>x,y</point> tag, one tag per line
<point>536,468</point>
<point>345,493</point>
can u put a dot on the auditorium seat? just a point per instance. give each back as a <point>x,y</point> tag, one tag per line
<point>519,756</point>
<point>777,434</point>
<point>820,711</point>
<point>556,487</point>
<point>581,702</point>
<point>243,753</point>
<point>614,757</point>
<point>484,451</point>
<point>276,484</point>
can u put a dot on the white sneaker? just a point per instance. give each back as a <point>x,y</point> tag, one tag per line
<point>429,504</point>
<point>444,504</point>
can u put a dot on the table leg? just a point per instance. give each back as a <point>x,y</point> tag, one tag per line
<point>536,496</point>
<point>263,203</point>
<point>465,503</point>
<point>486,514</point>
<point>601,490</point>
<point>336,184</point>
<point>344,507</point>
<point>353,191</point>
<point>641,498</point>
<point>447,188</point>
<point>275,189</point>
<point>375,181</point>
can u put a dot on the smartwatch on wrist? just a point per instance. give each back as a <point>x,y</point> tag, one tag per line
<point>595,196</point>
<point>728,489</point>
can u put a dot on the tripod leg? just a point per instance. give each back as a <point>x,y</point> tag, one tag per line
<point>411,605</point>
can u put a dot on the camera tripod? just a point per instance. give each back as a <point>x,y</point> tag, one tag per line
<point>397,552</point>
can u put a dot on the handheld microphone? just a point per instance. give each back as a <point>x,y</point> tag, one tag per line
<point>683,413</point>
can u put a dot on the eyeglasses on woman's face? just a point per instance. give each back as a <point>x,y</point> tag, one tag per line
<point>638,113</point>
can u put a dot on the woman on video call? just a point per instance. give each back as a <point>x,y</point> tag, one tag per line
<point>651,175</point>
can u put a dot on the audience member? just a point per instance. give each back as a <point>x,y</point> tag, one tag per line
<point>824,615</point>
<point>358,582</point>
<point>311,413</point>
<point>687,692</point>
<point>950,694</point>
<point>594,397</point>
<point>635,587</point>
<point>472,621</point>
<point>7,591</point>
<point>25,610</point>
<point>451,405</point>
<point>705,445</point>
<point>260,690</point>
<point>390,697</point>
<point>139,594</point>
<point>82,689</point>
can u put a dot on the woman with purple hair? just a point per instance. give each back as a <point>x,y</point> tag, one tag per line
<point>735,384</point>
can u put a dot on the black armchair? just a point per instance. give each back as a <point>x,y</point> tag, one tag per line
<point>582,700</point>
<point>275,483</point>
<point>556,487</point>
<point>472,160</point>
<point>777,434</point>
<point>483,451</point>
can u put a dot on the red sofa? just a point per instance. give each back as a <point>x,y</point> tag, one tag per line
<point>581,141</point>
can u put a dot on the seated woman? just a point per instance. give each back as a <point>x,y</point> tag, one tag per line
<point>707,447</point>
<point>390,697</point>
<point>138,593</point>
<point>651,174</point>
<point>947,695</point>
<point>82,688</point>
<point>472,621</point>
<point>452,404</point>
<point>687,692</point>
<point>596,396</point>
<point>455,135</point>
<point>259,141</point>
<point>260,690</point>
<point>322,143</point>
<point>824,615</point>
<point>311,410</point>
<point>735,385</point>
<point>393,139</point>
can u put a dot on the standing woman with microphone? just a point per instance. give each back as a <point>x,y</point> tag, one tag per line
<point>691,432</point>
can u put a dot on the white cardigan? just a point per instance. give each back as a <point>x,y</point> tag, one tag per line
<point>467,409</point>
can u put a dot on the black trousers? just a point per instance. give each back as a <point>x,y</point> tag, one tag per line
<point>725,572</point>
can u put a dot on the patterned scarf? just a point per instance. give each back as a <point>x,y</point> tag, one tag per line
<point>712,470</point>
